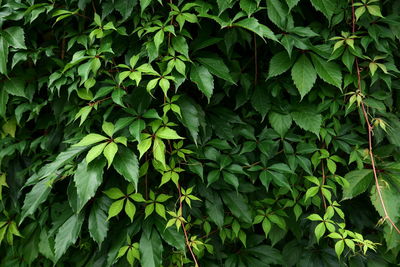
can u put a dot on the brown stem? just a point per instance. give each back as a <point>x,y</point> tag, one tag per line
<point>184,229</point>
<point>370,129</point>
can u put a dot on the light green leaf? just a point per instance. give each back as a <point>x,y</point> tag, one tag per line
<point>127,165</point>
<point>108,128</point>
<point>327,71</point>
<point>159,150</point>
<point>109,152</point>
<point>130,209</point>
<point>167,133</point>
<point>319,231</point>
<point>303,75</point>
<point>91,139</point>
<point>95,151</point>
<point>374,10</point>
<point>203,79</point>
<point>308,121</point>
<point>143,146</point>
<point>339,247</point>
<point>359,181</point>
<point>115,208</point>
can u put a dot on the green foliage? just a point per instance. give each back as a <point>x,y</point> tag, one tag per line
<point>223,132</point>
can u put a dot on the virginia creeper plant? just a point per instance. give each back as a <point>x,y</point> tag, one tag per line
<point>199,133</point>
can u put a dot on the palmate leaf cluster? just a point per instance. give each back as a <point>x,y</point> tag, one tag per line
<point>227,132</point>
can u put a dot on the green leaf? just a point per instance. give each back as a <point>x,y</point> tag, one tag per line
<point>144,4</point>
<point>328,71</point>
<point>253,25</point>
<point>15,87</point>
<point>114,193</point>
<point>216,66</point>
<point>339,247</point>
<point>159,150</point>
<point>109,152</point>
<point>358,182</point>
<point>67,234</point>
<point>127,165</point>
<point>15,37</point>
<point>303,75</point>
<point>91,139</point>
<point>108,128</point>
<point>136,128</point>
<point>143,146</point>
<point>151,249</point>
<point>98,223</point>
<point>167,133</point>
<point>308,121</point>
<point>279,64</point>
<point>203,79</point>
<point>35,197</point>
<point>238,205</point>
<point>95,151</point>
<point>260,101</point>
<point>3,55</point>
<point>280,123</point>
<point>87,179</point>
<point>231,179</point>
<point>130,209</point>
<point>319,231</point>
<point>277,13</point>
<point>115,208</point>
<point>374,10</point>
<point>3,101</point>
<point>390,196</point>
<point>327,7</point>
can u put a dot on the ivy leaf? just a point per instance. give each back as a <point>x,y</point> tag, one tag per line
<point>216,66</point>
<point>35,197</point>
<point>327,7</point>
<point>98,223</point>
<point>67,234</point>
<point>238,205</point>
<point>91,139</point>
<point>358,182</point>
<point>280,123</point>
<point>15,37</point>
<point>253,25</point>
<point>159,150</point>
<point>303,75</point>
<point>95,151</point>
<point>277,13</point>
<point>87,179</point>
<point>127,165</point>
<point>279,64</point>
<point>109,152</point>
<point>203,79</point>
<point>15,87</point>
<point>151,249</point>
<point>308,121</point>
<point>328,71</point>
<point>167,133</point>
<point>3,55</point>
<point>260,101</point>
<point>144,4</point>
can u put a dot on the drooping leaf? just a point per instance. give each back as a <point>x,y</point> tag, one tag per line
<point>67,234</point>
<point>359,181</point>
<point>151,249</point>
<point>308,121</point>
<point>203,79</point>
<point>127,165</point>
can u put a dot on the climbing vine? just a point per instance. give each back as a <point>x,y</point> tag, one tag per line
<point>199,133</point>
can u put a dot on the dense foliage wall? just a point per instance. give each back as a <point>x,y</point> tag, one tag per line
<point>210,133</point>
